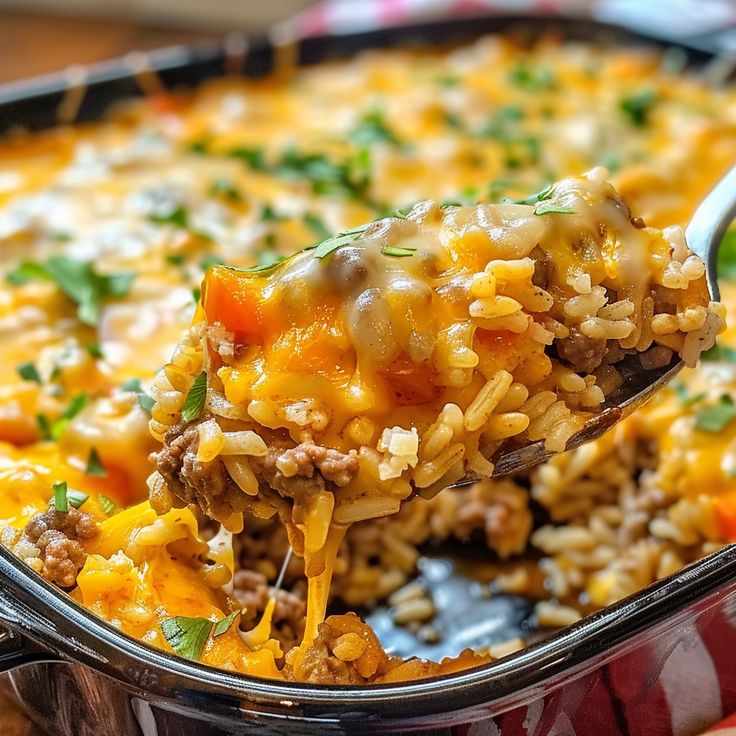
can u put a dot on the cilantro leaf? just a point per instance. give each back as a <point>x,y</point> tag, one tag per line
<point>224,187</point>
<point>27,271</point>
<point>146,402</point>
<point>133,385</point>
<point>316,225</point>
<point>532,79</point>
<point>65,496</point>
<point>551,208</point>
<point>194,403</point>
<point>187,636</point>
<point>223,625</point>
<point>94,349</point>
<point>28,372</point>
<point>637,107</point>
<point>61,501</point>
<point>254,158</point>
<point>716,417</point>
<point>397,251</point>
<point>80,282</point>
<point>269,263</point>
<point>373,129</point>
<point>178,217</point>
<point>94,464</point>
<point>540,196</point>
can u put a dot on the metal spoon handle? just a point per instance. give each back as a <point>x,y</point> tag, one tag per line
<point>709,224</point>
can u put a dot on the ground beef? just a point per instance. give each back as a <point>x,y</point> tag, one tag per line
<point>499,509</point>
<point>313,465</point>
<point>345,652</point>
<point>583,353</point>
<point>209,486</point>
<point>57,536</point>
<point>252,592</point>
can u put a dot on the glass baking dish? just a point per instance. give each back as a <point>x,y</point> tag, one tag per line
<point>615,672</point>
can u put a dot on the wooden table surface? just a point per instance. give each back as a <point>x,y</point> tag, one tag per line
<point>32,44</point>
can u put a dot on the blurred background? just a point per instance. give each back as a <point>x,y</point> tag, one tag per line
<point>41,36</point>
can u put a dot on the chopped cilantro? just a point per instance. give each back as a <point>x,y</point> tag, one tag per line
<point>175,259</point>
<point>225,188</point>
<point>551,208</point>
<point>73,408</point>
<point>146,402</point>
<point>194,403</point>
<point>44,426</point>
<point>79,281</point>
<point>94,464</point>
<point>254,158</point>
<point>223,625</point>
<point>196,294</point>
<point>532,79</point>
<point>637,107</point>
<point>373,129</point>
<point>199,146</point>
<point>178,217</point>
<point>716,417</point>
<point>28,372</point>
<point>61,500</point>
<point>325,175</point>
<point>186,635</point>
<point>27,271</point>
<point>541,196</point>
<point>269,214</point>
<point>65,496</point>
<point>323,249</point>
<point>316,225</point>
<point>686,398</point>
<point>95,350</point>
<point>107,505</point>
<point>397,252</point>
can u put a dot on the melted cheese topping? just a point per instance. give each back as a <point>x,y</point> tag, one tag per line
<point>165,183</point>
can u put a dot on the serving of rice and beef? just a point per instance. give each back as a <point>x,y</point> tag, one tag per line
<point>320,402</point>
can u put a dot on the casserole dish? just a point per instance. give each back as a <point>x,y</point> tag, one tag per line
<point>556,682</point>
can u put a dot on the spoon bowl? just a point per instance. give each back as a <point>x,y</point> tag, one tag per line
<point>703,236</point>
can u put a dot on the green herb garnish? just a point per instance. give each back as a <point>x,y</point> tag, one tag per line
<point>196,294</point>
<point>61,500</point>
<point>94,464</point>
<point>73,408</point>
<point>550,208</point>
<point>194,403</point>
<point>532,79</point>
<point>178,217</point>
<point>316,225</point>
<point>65,496</point>
<point>146,402</point>
<point>79,281</point>
<point>397,251</point>
<point>175,259</point>
<point>223,625</point>
<point>323,249</point>
<point>716,417</point>
<point>254,158</point>
<point>373,129</point>
<point>225,188</point>
<point>28,372</point>
<point>95,350</point>
<point>638,106</point>
<point>187,636</point>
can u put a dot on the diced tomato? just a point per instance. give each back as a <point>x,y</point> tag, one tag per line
<point>233,299</point>
<point>725,508</point>
<point>411,383</point>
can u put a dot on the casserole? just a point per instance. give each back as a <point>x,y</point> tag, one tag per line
<point>415,700</point>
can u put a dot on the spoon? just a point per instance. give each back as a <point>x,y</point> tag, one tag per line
<point>703,236</point>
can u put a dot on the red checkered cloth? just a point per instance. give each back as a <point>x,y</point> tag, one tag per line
<point>660,688</point>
